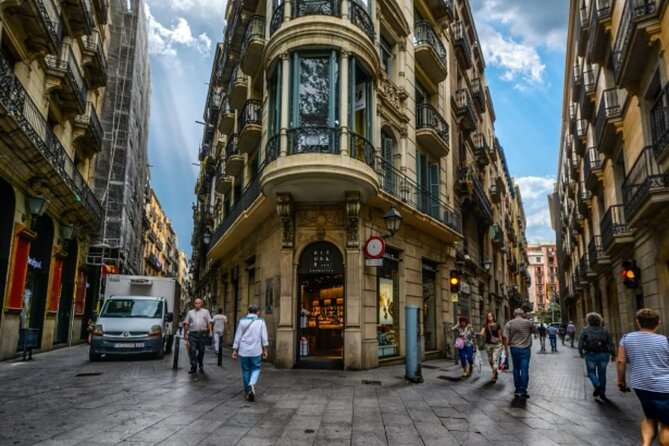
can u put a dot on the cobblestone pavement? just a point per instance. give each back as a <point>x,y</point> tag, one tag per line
<point>60,398</point>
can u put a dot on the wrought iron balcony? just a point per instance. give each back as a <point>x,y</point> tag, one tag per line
<point>360,17</point>
<point>94,61</point>
<point>250,125</point>
<point>464,109</point>
<point>659,124</point>
<point>25,127</point>
<point>596,254</point>
<point>463,47</point>
<point>482,203</point>
<point>495,194</point>
<point>615,231</point>
<point>361,149</point>
<point>584,199</point>
<point>237,87</point>
<point>303,8</point>
<point>272,148</point>
<point>234,160</point>
<point>574,165</point>
<point>497,236</point>
<point>41,24</point>
<point>408,191</point>
<point>646,190</point>
<point>593,168</point>
<point>481,149</point>
<point>478,94</point>
<point>432,130</point>
<point>277,18</point>
<point>587,96</point>
<point>88,132</point>
<point>101,8</point>
<point>609,116</point>
<point>632,48</point>
<point>441,8</point>
<point>71,90</point>
<point>227,122</point>
<point>313,139</point>
<point>79,16</point>
<point>430,51</point>
<point>597,35</point>
<point>253,45</point>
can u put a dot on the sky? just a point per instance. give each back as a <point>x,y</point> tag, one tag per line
<point>523,43</point>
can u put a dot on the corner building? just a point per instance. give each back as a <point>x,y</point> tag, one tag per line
<point>610,202</point>
<point>322,116</point>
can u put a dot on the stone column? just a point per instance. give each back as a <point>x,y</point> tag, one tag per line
<point>353,301</point>
<point>285,333</point>
<point>343,101</point>
<point>285,99</point>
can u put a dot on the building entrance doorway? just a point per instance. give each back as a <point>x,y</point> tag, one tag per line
<point>320,317</point>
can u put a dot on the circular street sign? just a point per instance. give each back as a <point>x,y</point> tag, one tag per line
<point>374,248</point>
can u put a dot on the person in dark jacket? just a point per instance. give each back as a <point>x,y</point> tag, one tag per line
<point>596,346</point>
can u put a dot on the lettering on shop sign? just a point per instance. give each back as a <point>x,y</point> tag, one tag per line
<point>321,258</point>
<point>34,263</point>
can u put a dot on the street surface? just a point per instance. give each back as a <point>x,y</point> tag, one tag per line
<point>61,399</point>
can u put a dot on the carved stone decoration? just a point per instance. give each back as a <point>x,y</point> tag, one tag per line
<point>284,207</point>
<point>353,217</point>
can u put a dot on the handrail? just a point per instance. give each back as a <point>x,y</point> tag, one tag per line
<point>361,149</point>
<point>429,118</point>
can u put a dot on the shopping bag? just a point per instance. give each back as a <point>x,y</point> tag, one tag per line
<point>477,359</point>
<point>503,362</point>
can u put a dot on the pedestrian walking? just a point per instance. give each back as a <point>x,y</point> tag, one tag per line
<point>596,346</point>
<point>553,333</point>
<point>492,333</point>
<point>562,332</point>
<point>571,332</point>
<point>250,346</point>
<point>647,354</point>
<point>518,339</point>
<point>197,329</point>
<point>464,343</point>
<point>219,321</point>
<point>541,329</point>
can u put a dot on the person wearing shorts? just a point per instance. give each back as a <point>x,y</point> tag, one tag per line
<point>647,355</point>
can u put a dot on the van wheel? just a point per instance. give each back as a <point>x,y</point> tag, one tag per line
<point>161,353</point>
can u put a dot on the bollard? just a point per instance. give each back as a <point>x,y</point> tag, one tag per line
<point>175,353</point>
<point>413,372</point>
<point>220,349</point>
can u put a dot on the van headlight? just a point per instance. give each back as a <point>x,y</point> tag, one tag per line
<point>156,330</point>
<point>97,331</point>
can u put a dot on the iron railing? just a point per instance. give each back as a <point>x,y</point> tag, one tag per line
<point>610,106</point>
<point>461,39</point>
<point>634,11</point>
<point>659,122</point>
<point>613,223</point>
<point>93,44</point>
<point>360,18</point>
<point>361,149</point>
<point>23,110</point>
<point>231,147</point>
<point>593,161</point>
<point>595,250</point>
<point>91,119</point>
<point>251,113</point>
<point>424,34</point>
<point>464,105</point>
<point>427,117</point>
<point>277,18</point>
<point>272,148</point>
<point>54,25</point>
<point>644,175</point>
<point>408,191</point>
<point>313,139</point>
<point>303,8</point>
<point>68,64</point>
<point>482,199</point>
<point>255,29</point>
<point>237,74</point>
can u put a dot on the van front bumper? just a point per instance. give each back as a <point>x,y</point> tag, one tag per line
<point>100,345</point>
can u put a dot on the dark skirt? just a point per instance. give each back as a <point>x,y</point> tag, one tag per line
<point>655,405</point>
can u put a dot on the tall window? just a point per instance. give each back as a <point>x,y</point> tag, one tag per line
<point>387,155</point>
<point>427,177</point>
<point>360,94</point>
<point>387,57</point>
<point>275,101</point>
<point>315,85</point>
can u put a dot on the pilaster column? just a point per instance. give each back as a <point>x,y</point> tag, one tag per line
<point>344,9</point>
<point>287,10</point>
<point>285,91</point>
<point>343,101</point>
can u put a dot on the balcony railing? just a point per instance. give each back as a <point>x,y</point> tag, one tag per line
<point>272,148</point>
<point>23,110</point>
<point>313,139</point>
<point>465,108</point>
<point>424,34</point>
<point>463,48</point>
<point>481,149</point>
<point>593,166</point>
<point>482,199</point>
<point>250,114</point>
<point>610,107</point>
<point>642,179</point>
<point>277,18</point>
<point>248,196</point>
<point>80,15</point>
<point>659,123</point>
<point>303,8</point>
<point>595,250</point>
<point>478,93</point>
<point>92,122</point>
<point>360,18</point>
<point>427,117</point>
<point>50,20</point>
<point>408,191</point>
<point>67,65</point>
<point>97,66</point>
<point>231,147</point>
<point>613,223</point>
<point>255,29</point>
<point>361,149</point>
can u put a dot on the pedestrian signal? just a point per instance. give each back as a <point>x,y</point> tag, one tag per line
<point>455,281</point>
<point>631,274</point>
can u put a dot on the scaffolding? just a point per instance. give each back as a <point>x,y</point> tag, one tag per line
<point>121,169</point>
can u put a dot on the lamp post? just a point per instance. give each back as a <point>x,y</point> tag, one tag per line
<point>37,206</point>
<point>393,219</point>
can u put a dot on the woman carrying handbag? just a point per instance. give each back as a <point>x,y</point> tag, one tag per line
<point>464,343</point>
<point>492,332</point>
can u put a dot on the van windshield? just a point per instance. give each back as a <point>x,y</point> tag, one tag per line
<point>132,308</point>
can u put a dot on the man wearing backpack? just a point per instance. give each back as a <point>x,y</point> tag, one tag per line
<point>596,346</point>
<point>571,332</point>
<point>542,336</point>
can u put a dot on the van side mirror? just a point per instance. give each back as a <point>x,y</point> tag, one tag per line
<point>169,317</point>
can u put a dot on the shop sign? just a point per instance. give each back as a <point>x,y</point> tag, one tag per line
<point>373,262</point>
<point>34,263</point>
<point>321,258</point>
<point>464,287</point>
<point>392,255</point>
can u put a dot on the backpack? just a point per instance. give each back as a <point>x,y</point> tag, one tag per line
<point>596,341</point>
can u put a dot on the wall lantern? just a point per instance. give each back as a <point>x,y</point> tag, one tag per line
<point>393,220</point>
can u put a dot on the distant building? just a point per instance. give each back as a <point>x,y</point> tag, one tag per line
<point>161,253</point>
<point>544,288</point>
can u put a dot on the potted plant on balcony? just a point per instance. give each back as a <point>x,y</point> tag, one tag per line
<point>466,182</point>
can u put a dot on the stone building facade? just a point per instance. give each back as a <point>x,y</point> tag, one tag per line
<point>610,202</point>
<point>544,289</point>
<point>322,118</point>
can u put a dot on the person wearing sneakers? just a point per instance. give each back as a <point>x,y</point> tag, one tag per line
<point>518,338</point>
<point>596,347</point>
<point>464,343</point>
<point>493,342</point>
<point>250,345</point>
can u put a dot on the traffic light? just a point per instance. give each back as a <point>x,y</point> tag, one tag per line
<point>455,281</point>
<point>631,274</point>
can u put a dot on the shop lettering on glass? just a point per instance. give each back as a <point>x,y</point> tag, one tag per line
<point>34,263</point>
<point>322,261</point>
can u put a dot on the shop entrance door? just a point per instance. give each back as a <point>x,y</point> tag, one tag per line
<point>320,315</point>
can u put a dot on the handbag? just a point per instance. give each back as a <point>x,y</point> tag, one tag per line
<point>493,339</point>
<point>459,343</point>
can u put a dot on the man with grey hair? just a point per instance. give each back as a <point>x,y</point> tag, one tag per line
<point>596,346</point>
<point>518,338</point>
<point>250,345</point>
<point>197,328</point>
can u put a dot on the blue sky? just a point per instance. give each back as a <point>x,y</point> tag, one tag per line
<point>523,43</point>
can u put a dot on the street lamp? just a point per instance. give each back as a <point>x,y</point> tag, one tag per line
<point>37,206</point>
<point>487,263</point>
<point>393,219</point>
<point>206,236</point>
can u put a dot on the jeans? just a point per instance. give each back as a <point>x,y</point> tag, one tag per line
<point>596,365</point>
<point>521,368</point>
<point>466,355</point>
<point>542,341</point>
<point>197,343</point>
<point>553,340</point>
<point>217,340</point>
<point>250,370</point>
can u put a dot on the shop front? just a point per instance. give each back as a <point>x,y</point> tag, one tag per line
<point>388,309</point>
<point>66,300</point>
<point>321,296</point>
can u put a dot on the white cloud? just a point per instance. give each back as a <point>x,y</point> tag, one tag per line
<point>202,9</point>
<point>163,41</point>
<point>534,191</point>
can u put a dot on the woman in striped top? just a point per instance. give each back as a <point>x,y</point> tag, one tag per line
<point>647,355</point>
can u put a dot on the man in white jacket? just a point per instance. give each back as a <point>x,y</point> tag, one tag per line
<point>250,345</point>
